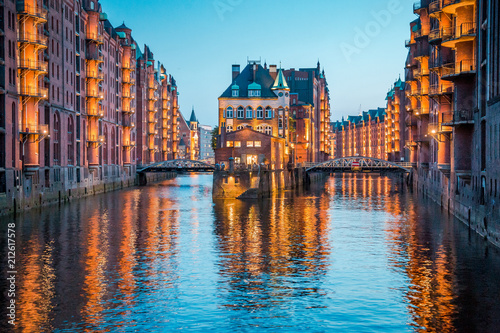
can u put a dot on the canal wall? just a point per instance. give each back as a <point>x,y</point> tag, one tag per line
<point>456,196</point>
<point>254,184</point>
<point>34,194</point>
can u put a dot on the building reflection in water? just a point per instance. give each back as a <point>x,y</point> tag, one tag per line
<point>272,250</point>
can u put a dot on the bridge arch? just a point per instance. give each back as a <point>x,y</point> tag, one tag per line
<point>369,164</point>
<point>178,165</point>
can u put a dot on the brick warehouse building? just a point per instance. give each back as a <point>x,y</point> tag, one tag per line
<point>73,103</point>
<point>363,135</point>
<point>453,75</point>
<point>261,100</point>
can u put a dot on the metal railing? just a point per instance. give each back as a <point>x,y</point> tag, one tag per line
<point>435,34</point>
<point>94,37</point>
<point>35,65</point>
<point>435,6</point>
<point>458,116</point>
<point>463,66</point>
<point>24,8</point>
<point>32,38</point>
<point>94,75</point>
<point>439,89</point>
<point>30,91</point>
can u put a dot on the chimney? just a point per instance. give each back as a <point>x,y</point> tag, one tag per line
<point>273,71</point>
<point>236,71</point>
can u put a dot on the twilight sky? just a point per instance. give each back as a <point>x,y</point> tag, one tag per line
<point>360,44</point>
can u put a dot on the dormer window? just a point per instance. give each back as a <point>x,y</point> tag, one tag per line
<point>236,90</point>
<point>254,90</point>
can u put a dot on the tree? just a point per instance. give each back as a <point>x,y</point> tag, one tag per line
<point>215,135</point>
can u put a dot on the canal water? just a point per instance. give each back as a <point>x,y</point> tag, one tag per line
<point>355,254</point>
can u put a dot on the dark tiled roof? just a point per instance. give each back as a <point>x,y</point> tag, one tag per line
<point>245,78</point>
<point>123,26</point>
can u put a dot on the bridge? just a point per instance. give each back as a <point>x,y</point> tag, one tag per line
<point>177,166</point>
<point>359,164</point>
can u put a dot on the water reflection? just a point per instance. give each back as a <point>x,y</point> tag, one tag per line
<point>357,253</point>
<point>271,251</point>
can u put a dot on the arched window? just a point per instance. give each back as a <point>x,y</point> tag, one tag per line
<point>260,113</point>
<point>240,127</point>
<point>229,128</point>
<point>229,112</point>
<point>105,146</point>
<point>260,128</point>
<point>113,146</point>
<point>269,112</point>
<point>240,112</point>
<point>249,112</point>
<point>71,149</point>
<point>56,139</point>
<point>269,130</point>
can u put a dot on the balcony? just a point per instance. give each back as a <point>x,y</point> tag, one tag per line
<point>128,95</point>
<point>450,6</point>
<point>128,110</point>
<point>464,68</point>
<point>435,35</point>
<point>95,56</point>
<point>128,80</point>
<point>418,72</point>
<point>129,144</point>
<point>36,39</point>
<point>438,128</point>
<point>95,75</point>
<point>457,118</point>
<point>35,92</point>
<point>420,111</point>
<point>463,33</point>
<point>94,94</point>
<point>33,65</point>
<point>128,124</point>
<point>93,112</point>
<point>95,38</point>
<point>128,67</point>
<point>434,7</point>
<point>409,42</point>
<point>441,89</point>
<point>38,13</point>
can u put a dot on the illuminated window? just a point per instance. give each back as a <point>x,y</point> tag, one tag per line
<point>237,160</point>
<point>229,128</point>
<point>260,113</point>
<point>237,144</point>
<point>269,130</point>
<point>249,143</point>
<point>240,127</point>
<point>257,144</point>
<point>269,112</point>
<point>229,144</point>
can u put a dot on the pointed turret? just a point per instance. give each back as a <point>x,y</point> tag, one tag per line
<point>280,82</point>
<point>192,119</point>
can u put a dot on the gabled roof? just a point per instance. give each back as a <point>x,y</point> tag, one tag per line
<point>280,82</point>
<point>246,77</point>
